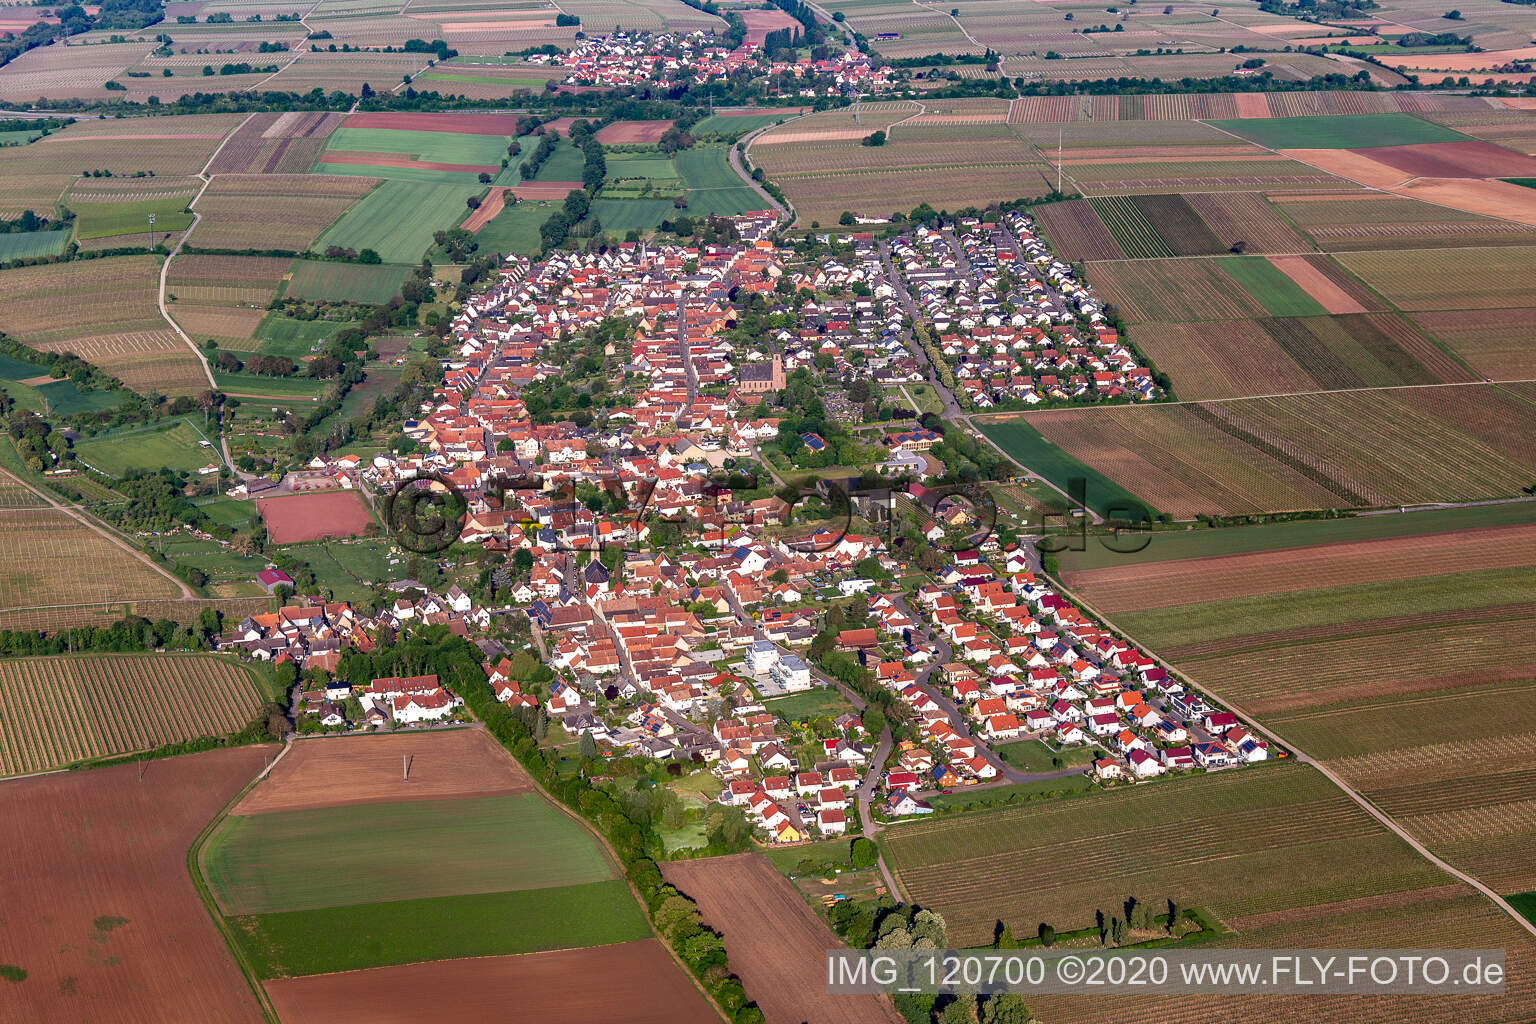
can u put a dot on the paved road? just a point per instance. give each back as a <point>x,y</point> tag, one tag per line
<point>786,213</point>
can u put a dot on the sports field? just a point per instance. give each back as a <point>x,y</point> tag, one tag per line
<point>174,445</point>
<point>397,219</point>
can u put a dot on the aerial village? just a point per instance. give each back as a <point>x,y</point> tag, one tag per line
<point>612,431</point>
<point>669,59</point>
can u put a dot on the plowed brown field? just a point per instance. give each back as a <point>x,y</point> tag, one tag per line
<point>446,765</point>
<point>99,909</point>
<point>776,944</point>
<point>632,983</point>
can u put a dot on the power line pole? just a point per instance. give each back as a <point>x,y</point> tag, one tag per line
<point>151,232</point>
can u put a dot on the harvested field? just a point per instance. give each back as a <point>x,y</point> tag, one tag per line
<point>1309,274</point>
<point>447,765</point>
<point>320,516</point>
<point>1327,450</point>
<point>1076,232</point>
<point>773,939</point>
<point>101,913</point>
<point>203,279</point>
<point>640,131</point>
<point>569,986</point>
<point>1454,160</point>
<point>263,142</point>
<point>1355,165</point>
<point>68,709</point>
<point>230,326</point>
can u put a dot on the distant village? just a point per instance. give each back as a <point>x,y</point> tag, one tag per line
<point>670,59</point>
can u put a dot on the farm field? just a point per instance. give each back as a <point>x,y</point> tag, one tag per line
<point>773,939</point>
<point>960,154</point>
<point>1244,358</point>
<point>274,211</point>
<point>397,219</point>
<point>61,710</point>
<point>29,572</point>
<point>113,929</point>
<point>1289,836</point>
<point>270,143</point>
<point>568,893</point>
<point>453,764</point>
<point>1379,220</point>
<point>1304,451</point>
<point>1278,854</point>
<point>1438,604</point>
<point>1358,131</point>
<point>263,863</point>
<point>1021,441</point>
<point>568,986</point>
<point>344,282</point>
<point>29,245</point>
<point>102,310</point>
<point>104,220</point>
<point>516,228</point>
<point>1446,279</point>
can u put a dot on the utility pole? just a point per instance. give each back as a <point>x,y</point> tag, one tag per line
<point>151,232</point>
<point>1058,160</point>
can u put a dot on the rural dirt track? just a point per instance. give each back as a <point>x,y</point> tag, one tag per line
<point>1332,776</point>
<point>87,521</point>
<point>629,983</point>
<point>99,908</point>
<point>777,945</point>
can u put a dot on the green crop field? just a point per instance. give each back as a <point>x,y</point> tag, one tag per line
<point>345,282</point>
<point>397,219</point>
<point>434,147</point>
<point>15,369</point>
<point>733,128</point>
<point>640,165</point>
<point>61,398</point>
<point>297,387</point>
<point>516,228</point>
<point>1278,294</point>
<point>564,164</point>
<point>29,245</point>
<point>1026,446</point>
<point>813,703</point>
<point>103,220</point>
<point>404,931</point>
<point>712,186</point>
<point>621,215</point>
<point>1339,131</point>
<point>263,863</point>
<point>508,83</point>
<point>173,446</point>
